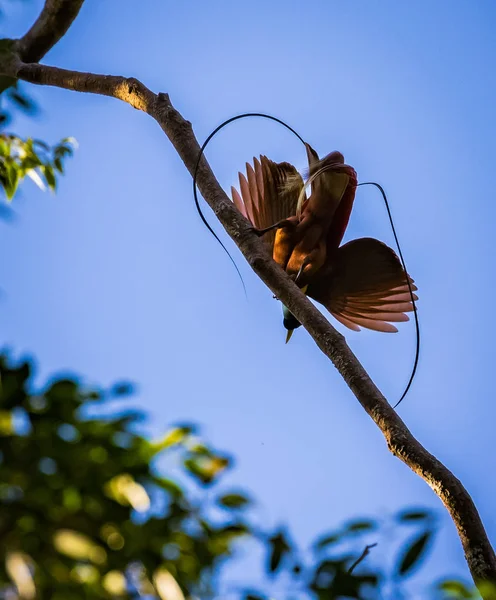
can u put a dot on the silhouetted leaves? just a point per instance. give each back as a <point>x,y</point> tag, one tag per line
<point>84,511</point>
<point>12,98</point>
<point>360,526</point>
<point>22,100</point>
<point>278,547</point>
<point>332,580</point>
<point>71,488</point>
<point>413,515</point>
<point>121,389</point>
<point>327,540</point>
<point>413,553</point>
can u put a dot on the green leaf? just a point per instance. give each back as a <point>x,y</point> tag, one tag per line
<point>199,448</point>
<point>62,151</point>
<point>413,552</point>
<point>455,589</point>
<point>12,181</point>
<point>49,174</point>
<point>19,159</point>
<point>171,487</point>
<point>206,470</point>
<point>233,501</point>
<point>221,540</point>
<point>174,437</point>
<point>487,589</point>
<point>194,468</point>
<point>57,163</point>
<point>30,162</point>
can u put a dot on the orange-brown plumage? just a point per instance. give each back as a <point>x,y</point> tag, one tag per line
<point>361,283</point>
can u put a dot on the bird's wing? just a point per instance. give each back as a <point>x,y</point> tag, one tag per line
<point>313,160</point>
<point>333,192</point>
<point>342,213</point>
<point>268,193</point>
<point>365,286</point>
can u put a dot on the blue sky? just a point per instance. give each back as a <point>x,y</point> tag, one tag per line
<point>117,277</point>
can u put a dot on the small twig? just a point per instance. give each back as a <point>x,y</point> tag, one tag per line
<point>361,557</point>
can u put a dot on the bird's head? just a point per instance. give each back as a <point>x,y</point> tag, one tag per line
<point>290,322</point>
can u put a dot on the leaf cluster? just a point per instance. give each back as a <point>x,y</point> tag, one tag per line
<point>84,510</point>
<point>31,158</point>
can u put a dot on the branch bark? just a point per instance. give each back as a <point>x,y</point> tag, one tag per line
<point>52,24</point>
<point>479,554</point>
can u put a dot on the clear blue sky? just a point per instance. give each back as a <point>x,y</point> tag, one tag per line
<point>116,277</point>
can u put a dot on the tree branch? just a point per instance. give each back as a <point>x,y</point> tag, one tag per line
<point>479,554</point>
<point>55,19</point>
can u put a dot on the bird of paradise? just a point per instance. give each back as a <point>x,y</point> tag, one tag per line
<point>361,283</point>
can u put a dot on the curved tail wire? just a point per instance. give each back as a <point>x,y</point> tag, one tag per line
<point>379,187</point>
<point>417,326</point>
<point>195,174</point>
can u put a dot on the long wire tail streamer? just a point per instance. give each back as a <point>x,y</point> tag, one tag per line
<point>415,315</point>
<point>206,223</point>
<point>200,156</point>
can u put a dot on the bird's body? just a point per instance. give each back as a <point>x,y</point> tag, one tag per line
<point>361,283</point>
<point>303,246</point>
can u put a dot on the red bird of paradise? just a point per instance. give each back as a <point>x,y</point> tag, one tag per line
<point>361,283</point>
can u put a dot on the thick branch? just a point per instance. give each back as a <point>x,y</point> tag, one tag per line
<point>128,90</point>
<point>479,554</point>
<point>55,19</point>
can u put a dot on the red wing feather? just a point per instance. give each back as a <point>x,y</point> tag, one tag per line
<point>269,193</point>
<point>364,285</point>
